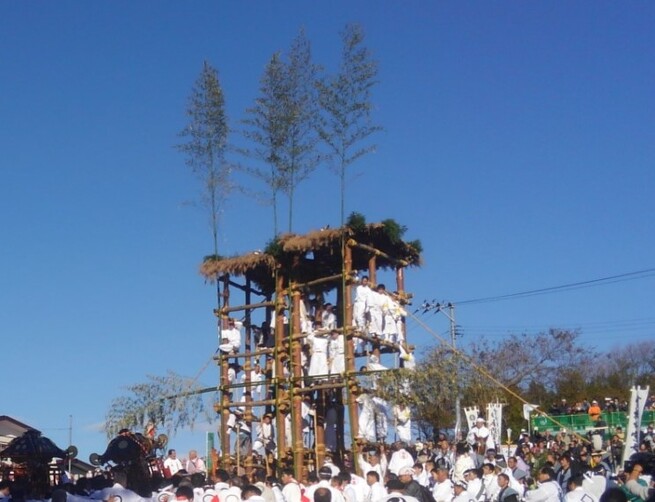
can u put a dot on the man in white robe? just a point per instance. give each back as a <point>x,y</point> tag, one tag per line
<point>376,306</point>
<point>403,419</point>
<point>265,441</point>
<point>318,364</point>
<point>366,419</point>
<point>442,491</point>
<point>328,318</point>
<point>230,338</point>
<point>362,292</point>
<point>336,355</point>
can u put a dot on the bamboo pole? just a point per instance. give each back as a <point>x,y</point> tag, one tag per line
<point>351,380</point>
<point>279,341</point>
<point>296,398</point>
<point>239,308</point>
<point>376,252</point>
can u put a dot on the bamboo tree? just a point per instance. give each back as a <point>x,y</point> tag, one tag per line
<point>345,99</point>
<point>206,146</point>
<point>300,150</point>
<point>282,124</point>
<point>266,128</point>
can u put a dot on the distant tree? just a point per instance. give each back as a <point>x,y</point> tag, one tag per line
<point>622,367</point>
<point>345,99</point>
<point>171,402</point>
<point>206,145</point>
<point>282,124</point>
<point>487,372</point>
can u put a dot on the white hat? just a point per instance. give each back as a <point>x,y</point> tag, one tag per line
<point>406,471</point>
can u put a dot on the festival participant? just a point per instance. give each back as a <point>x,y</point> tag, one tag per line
<point>577,493</point>
<point>318,364</point>
<point>328,318</point>
<point>376,489</point>
<point>376,306</point>
<point>490,482</point>
<point>474,484</point>
<point>265,442</point>
<point>412,487</point>
<point>443,486</point>
<point>463,462</point>
<point>336,357</point>
<point>366,418</point>
<point>397,492</point>
<point>479,437</point>
<point>506,493</point>
<point>403,420</point>
<point>195,463</point>
<point>461,493</point>
<point>400,458</point>
<point>370,460</point>
<point>634,485</point>
<point>291,490</point>
<point>230,338</point>
<point>172,463</point>
<point>324,481</point>
<point>362,292</point>
<point>547,490</point>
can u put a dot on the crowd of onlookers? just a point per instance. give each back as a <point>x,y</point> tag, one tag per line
<point>540,467</point>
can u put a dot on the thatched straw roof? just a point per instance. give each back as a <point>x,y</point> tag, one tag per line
<point>318,254</point>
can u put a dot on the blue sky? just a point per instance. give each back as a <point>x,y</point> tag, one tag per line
<point>519,146</point>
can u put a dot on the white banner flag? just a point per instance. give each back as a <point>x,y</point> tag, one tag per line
<point>638,398</point>
<point>472,415</point>
<point>527,409</point>
<point>495,421</point>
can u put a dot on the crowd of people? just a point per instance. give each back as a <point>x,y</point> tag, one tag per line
<point>540,468</point>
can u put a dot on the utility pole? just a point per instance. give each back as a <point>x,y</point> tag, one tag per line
<point>453,341</point>
<point>438,307</point>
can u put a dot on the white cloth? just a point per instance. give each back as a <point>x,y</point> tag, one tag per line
<point>318,364</point>
<point>328,320</point>
<point>336,355</point>
<point>375,306</point>
<point>366,419</point>
<point>291,492</point>
<point>463,463</point>
<point>491,488</point>
<point>230,340</point>
<point>465,496</point>
<point>578,494</point>
<point>399,459</point>
<point>195,465</point>
<point>403,419</point>
<point>380,467</point>
<point>443,492</point>
<point>360,306</point>
<point>400,496</point>
<point>337,496</point>
<point>548,491</point>
<point>173,465</point>
<point>376,492</point>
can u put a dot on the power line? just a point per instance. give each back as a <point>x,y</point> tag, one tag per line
<point>640,274</point>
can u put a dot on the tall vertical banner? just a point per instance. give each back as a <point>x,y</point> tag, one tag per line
<point>638,398</point>
<point>495,422</point>
<point>472,415</point>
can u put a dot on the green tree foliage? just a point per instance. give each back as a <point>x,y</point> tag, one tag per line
<point>282,124</point>
<point>171,402</point>
<point>206,145</point>
<point>345,99</point>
